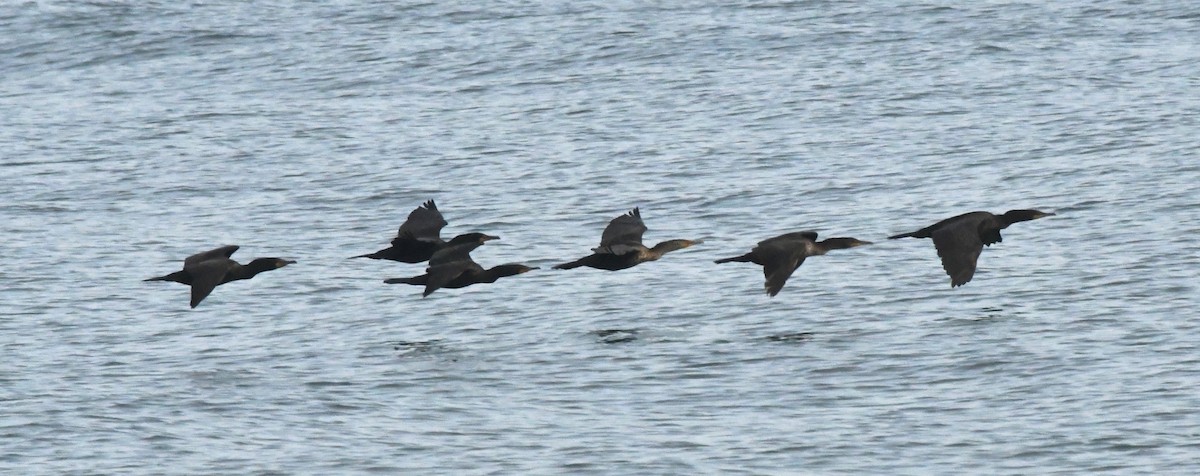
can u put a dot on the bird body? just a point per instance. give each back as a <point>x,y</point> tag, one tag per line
<point>470,275</point>
<point>206,270</point>
<point>621,246</point>
<point>959,240</point>
<point>782,255</point>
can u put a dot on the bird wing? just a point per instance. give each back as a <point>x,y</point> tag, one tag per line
<point>623,234</point>
<point>206,276</point>
<point>441,275</point>
<point>780,257</point>
<point>472,271</point>
<point>222,252</point>
<point>959,247</point>
<point>451,254</point>
<point>424,223</point>
<point>793,236</point>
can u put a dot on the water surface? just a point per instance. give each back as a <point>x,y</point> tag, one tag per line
<point>137,133</point>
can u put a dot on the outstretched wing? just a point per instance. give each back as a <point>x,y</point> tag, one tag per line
<point>959,247</point>
<point>206,276</point>
<point>441,275</point>
<point>780,256</point>
<point>222,252</point>
<point>424,223</point>
<point>451,254</point>
<point>623,234</point>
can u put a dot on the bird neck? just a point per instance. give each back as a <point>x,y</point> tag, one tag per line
<point>489,275</point>
<point>465,247</point>
<point>249,270</point>
<point>460,240</point>
<point>825,245</point>
<point>669,246</point>
<point>496,272</point>
<point>1017,216</point>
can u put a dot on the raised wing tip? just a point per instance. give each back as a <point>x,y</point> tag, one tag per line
<point>430,205</point>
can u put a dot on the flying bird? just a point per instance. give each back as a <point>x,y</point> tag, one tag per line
<point>959,240</point>
<point>782,255</point>
<point>621,246</point>
<point>419,237</point>
<point>452,267</point>
<point>205,271</point>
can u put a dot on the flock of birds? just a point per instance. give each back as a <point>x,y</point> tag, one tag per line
<point>959,241</point>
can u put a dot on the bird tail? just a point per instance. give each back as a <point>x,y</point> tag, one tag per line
<point>178,277</point>
<point>404,281</point>
<point>902,235</point>
<point>572,265</point>
<point>739,259</point>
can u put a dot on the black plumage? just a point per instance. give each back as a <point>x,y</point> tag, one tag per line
<point>207,270</point>
<point>452,267</point>
<point>621,246</point>
<point>419,237</point>
<point>960,240</point>
<point>780,256</point>
<point>472,273</point>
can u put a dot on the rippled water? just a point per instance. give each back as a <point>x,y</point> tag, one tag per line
<point>136,133</point>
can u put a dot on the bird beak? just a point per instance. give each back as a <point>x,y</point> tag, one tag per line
<point>489,238</point>
<point>286,262</point>
<point>530,269</point>
<point>861,243</point>
<point>1047,215</point>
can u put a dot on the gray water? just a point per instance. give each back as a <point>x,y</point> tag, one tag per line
<point>133,134</point>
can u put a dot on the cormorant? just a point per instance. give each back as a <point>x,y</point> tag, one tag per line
<point>452,267</point>
<point>959,240</point>
<point>473,274</point>
<point>419,237</point>
<point>205,271</point>
<point>783,254</point>
<point>621,246</point>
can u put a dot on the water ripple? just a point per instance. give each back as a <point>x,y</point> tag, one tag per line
<point>139,133</point>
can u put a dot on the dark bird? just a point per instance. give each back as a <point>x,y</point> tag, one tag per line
<point>782,255</point>
<point>419,237</point>
<point>452,267</point>
<point>473,274</point>
<point>959,240</point>
<point>205,271</point>
<point>621,246</point>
